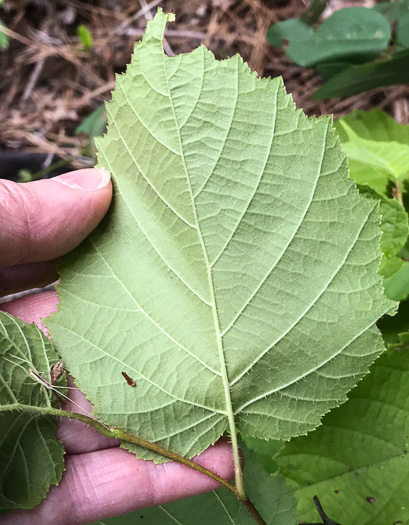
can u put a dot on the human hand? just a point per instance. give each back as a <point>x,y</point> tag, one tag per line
<point>39,222</point>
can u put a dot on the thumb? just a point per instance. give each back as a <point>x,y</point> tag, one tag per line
<point>45,219</point>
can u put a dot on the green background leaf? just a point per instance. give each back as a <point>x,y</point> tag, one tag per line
<point>356,462</point>
<point>235,278</point>
<point>292,29</point>
<point>264,450</point>
<point>373,125</point>
<point>31,457</point>
<point>397,283</point>
<point>355,79</point>
<point>85,36</point>
<point>375,163</point>
<point>402,32</point>
<point>391,327</point>
<point>355,34</point>
<point>392,11</point>
<point>394,222</point>
<point>379,160</point>
<point>4,39</point>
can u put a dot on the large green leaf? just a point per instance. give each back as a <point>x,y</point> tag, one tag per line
<point>235,277</point>
<point>354,34</point>
<point>357,462</point>
<point>31,458</point>
<point>272,497</point>
<point>358,78</point>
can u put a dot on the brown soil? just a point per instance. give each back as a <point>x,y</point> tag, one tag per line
<point>49,84</point>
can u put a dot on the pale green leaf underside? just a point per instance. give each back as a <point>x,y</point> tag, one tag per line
<point>31,457</point>
<point>359,453</point>
<point>236,273</point>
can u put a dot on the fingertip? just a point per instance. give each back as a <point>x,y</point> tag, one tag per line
<point>87,179</point>
<point>32,308</point>
<point>45,219</point>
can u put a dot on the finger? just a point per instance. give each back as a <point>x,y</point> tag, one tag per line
<point>77,437</point>
<point>26,276</point>
<point>108,483</point>
<point>45,219</point>
<point>32,308</point>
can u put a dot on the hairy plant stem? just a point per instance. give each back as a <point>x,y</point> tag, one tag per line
<point>397,193</point>
<point>116,433</point>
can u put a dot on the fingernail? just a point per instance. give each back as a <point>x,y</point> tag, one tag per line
<point>90,179</point>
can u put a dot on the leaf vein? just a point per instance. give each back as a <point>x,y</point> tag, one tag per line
<point>300,222</point>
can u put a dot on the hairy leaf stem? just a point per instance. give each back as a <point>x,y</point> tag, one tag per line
<point>116,433</point>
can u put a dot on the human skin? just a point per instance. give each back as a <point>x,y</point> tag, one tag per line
<point>39,222</point>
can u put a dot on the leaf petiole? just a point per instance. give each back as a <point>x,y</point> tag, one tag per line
<point>117,433</point>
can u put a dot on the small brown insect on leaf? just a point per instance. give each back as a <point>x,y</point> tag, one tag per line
<point>56,371</point>
<point>129,380</point>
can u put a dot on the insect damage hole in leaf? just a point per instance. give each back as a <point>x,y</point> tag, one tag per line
<point>235,276</point>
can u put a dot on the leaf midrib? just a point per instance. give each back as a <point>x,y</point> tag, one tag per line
<point>220,349</point>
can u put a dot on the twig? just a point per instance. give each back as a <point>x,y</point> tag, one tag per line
<point>33,79</point>
<point>138,14</point>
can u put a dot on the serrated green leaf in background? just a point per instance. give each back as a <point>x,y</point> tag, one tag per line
<point>375,163</point>
<point>394,222</point>
<point>380,166</point>
<point>357,462</point>
<point>31,457</point>
<point>235,277</point>
<point>397,283</point>
<point>272,497</point>
<point>355,79</point>
<point>355,34</point>
<point>264,451</point>
<point>373,125</point>
<point>394,226</point>
<point>396,277</point>
<point>391,327</point>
